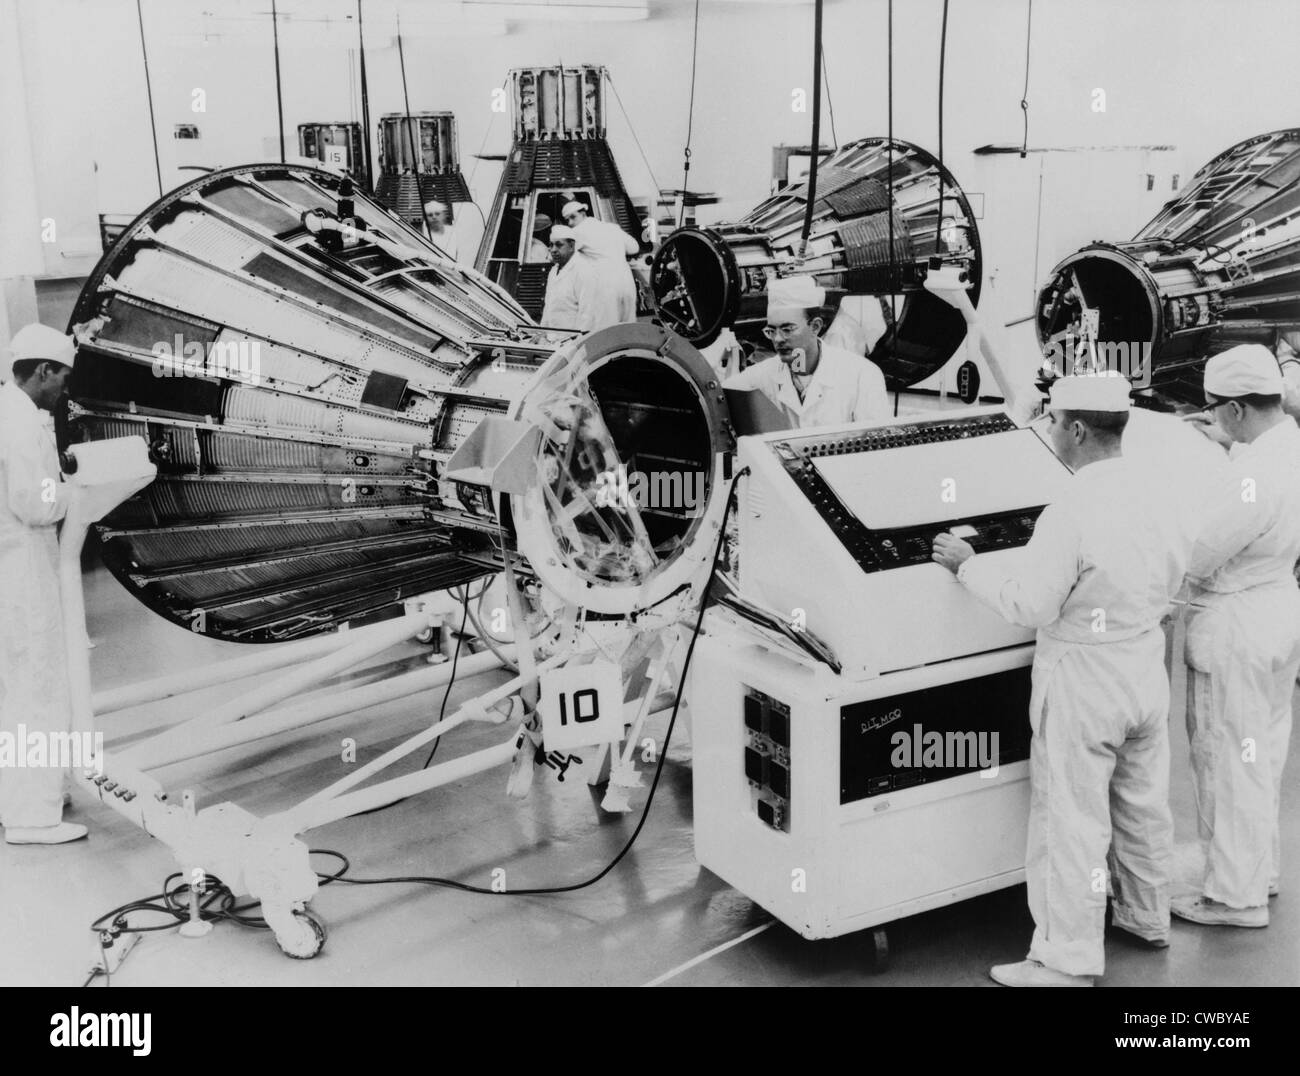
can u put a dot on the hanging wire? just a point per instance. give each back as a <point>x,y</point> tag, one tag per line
<point>816,130</point>
<point>148,85</point>
<point>889,176</point>
<point>628,120</point>
<point>690,117</point>
<point>365,102</point>
<point>1024,95</point>
<point>943,50</point>
<point>830,105</point>
<point>279,100</point>
<point>410,128</point>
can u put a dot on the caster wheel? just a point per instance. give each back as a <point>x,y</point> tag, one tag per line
<point>309,940</point>
<point>425,636</point>
<point>877,951</point>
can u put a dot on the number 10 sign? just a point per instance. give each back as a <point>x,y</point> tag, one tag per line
<point>581,705</point>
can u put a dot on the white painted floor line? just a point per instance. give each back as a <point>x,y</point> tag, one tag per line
<point>710,954</point>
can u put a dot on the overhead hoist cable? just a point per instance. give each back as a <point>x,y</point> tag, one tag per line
<point>148,85</point>
<point>410,129</point>
<point>1024,94</point>
<point>690,117</point>
<point>628,120</point>
<point>889,171</point>
<point>279,98</point>
<point>816,130</point>
<point>830,104</point>
<point>943,50</point>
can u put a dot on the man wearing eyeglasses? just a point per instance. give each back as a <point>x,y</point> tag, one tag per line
<point>1243,640</point>
<point>814,383</point>
<point>607,247</point>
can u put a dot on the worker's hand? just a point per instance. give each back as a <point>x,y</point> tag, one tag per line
<point>951,551</point>
<point>1205,423</point>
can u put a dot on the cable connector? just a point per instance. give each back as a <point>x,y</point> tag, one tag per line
<point>111,947</point>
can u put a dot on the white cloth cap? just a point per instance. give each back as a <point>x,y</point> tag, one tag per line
<point>541,222</point>
<point>1242,370</point>
<point>37,341</point>
<point>1107,390</point>
<point>561,231</point>
<point>434,207</point>
<point>794,293</point>
<point>570,207</point>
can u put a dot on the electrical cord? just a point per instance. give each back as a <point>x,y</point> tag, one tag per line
<point>215,892</point>
<point>465,887</point>
<point>455,659</point>
<point>216,904</point>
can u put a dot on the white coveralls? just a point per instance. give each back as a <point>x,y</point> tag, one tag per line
<point>1100,571</point>
<point>1242,653</point>
<point>574,300</point>
<point>33,665</point>
<point>607,247</point>
<point>844,388</point>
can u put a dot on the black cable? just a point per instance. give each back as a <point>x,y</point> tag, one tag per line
<point>410,129</point>
<point>465,887</point>
<point>153,122</point>
<point>215,890</point>
<point>889,182</point>
<point>455,658</point>
<point>173,903</point>
<point>690,118</point>
<point>816,129</point>
<point>1024,95</point>
<point>943,50</point>
<point>365,104</point>
<point>279,101</point>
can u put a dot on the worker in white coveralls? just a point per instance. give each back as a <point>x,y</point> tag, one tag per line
<point>814,383</point>
<point>608,248</point>
<point>439,229</point>
<point>574,300</point>
<point>33,662</point>
<point>1243,640</point>
<point>1103,566</point>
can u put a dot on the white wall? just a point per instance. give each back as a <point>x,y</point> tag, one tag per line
<point>1196,74</point>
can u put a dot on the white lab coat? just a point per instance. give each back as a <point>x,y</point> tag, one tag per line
<point>1099,573</point>
<point>33,664</point>
<point>574,300</point>
<point>607,248</point>
<point>1243,653</point>
<point>844,388</point>
<point>446,241</point>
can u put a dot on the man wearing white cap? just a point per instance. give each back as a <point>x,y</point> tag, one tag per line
<point>436,215</point>
<point>608,248</point>
<point>33,498</point>
<point>573,298</point>
<point>814,383</point>
<point>1104,563</point>
<point>1243,640</point>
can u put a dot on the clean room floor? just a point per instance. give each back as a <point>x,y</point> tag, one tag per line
<point>656,912</point>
